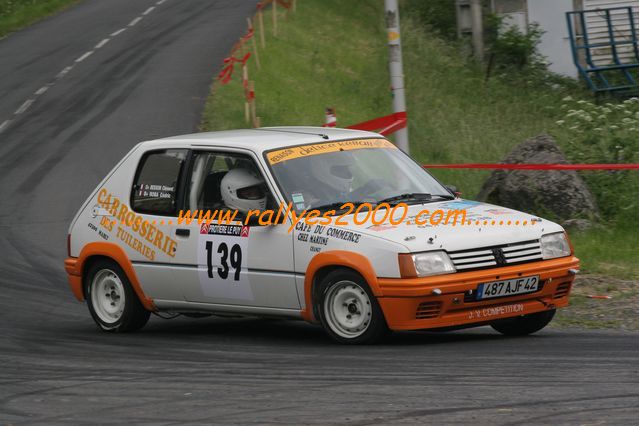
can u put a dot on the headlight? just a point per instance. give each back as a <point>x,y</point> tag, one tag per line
<point>554,245</point>
<point>427,263</point>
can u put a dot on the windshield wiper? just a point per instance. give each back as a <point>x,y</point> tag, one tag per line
<point>445,197</point>
<point>414,196</point>
<point>417,196</point>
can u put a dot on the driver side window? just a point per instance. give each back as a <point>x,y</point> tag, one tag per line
<point>226,181</point>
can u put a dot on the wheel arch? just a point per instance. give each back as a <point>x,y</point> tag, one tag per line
<point>96,251</point>
<point>326,262</point>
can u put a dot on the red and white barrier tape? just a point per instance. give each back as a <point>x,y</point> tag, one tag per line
<point>383,125</point>
<point>227,72</point>
<point>535,166</point>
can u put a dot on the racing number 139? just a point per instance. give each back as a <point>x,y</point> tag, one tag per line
<point>235,259</point>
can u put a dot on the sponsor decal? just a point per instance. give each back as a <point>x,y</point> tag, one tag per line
<point>312,235</point>
<point>342,234</point>
<point>499,211</point>
<point>494,311</point>
<point>380,228</point>
<point>285,154</point>
<point>204,228</point>
<point>100,232</point>
<point>233,230</point>
<point>459,205</point>
<point>133,229</point>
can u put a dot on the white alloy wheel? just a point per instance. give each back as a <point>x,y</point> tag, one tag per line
<point>347,309</point>
<point>108,296</point>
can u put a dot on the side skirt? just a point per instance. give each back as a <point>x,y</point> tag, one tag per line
<point>212,308</point>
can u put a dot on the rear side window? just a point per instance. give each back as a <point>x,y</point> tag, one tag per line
<point>156,182</point>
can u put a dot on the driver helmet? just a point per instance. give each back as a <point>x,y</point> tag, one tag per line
<point>334,169</point>
<point>243,190</point>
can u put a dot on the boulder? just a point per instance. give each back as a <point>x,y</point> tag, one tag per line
<point>579,225</point>
<point>559,194</point>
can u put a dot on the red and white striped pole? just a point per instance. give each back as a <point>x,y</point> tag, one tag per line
<point>396,68</point>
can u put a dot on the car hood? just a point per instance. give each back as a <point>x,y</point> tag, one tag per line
<point>489,227</point>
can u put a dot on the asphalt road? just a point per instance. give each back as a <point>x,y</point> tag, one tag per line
<point>66,117</point>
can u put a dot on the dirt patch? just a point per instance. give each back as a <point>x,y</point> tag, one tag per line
<point>620,312</point>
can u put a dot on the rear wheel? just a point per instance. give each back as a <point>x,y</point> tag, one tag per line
<point>348,310</point>
<point>112,302</point>
<point>525,324</point>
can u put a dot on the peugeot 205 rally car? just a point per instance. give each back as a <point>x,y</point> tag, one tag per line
<point>131,251</point>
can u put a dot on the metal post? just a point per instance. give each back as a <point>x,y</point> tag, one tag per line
<point>396,68</point>
<point>478,29</point>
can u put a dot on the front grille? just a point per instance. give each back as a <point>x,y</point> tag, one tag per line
<point>428,310</point>
<point>496,256</point>
<point>562,290</point>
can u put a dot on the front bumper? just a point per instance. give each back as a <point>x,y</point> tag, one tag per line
<point>412,304</point>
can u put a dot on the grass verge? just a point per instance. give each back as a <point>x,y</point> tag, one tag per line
<point>16,14</point>
<point>621,311</point>
<point>319,59</point>
<point>333,53</point>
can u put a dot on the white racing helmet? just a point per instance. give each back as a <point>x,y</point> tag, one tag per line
<point>334,169</point>
<point>242,190</point>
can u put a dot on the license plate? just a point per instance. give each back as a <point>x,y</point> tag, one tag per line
<point>511,287</point>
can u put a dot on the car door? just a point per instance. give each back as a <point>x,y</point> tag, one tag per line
<point>231,263</point>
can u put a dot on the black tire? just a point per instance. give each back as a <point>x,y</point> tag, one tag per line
<point>131,316</point>
<point>524,324</point>
<point>367,319</point>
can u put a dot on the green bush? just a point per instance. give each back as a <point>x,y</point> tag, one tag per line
<point>438,16</point>
<point>606,133</point>
<point>510,47</point>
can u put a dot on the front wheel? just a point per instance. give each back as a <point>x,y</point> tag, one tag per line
<point>112,302</point>
<point>348,310</point>
<point>525,324</point>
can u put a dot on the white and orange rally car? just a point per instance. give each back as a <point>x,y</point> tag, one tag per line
<point>131,251</point>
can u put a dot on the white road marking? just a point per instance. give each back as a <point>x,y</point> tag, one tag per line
<point>42,90</point>
<point>120,31</point>
<point>102,43</point>
<point>135,21</point>
<point>83,57</point>
<point>63,72</point>
<point>25,106</point>
<point>4,125</point>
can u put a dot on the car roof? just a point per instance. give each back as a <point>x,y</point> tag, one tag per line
<point>260,139</point>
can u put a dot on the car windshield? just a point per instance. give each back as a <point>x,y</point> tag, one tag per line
<point>326,175</point>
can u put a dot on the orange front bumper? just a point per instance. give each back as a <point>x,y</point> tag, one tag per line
<point>411,304</point>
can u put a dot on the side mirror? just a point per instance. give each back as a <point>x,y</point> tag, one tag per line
<point>453,190</point>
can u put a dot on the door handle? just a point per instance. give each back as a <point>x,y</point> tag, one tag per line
<point>181,232</point>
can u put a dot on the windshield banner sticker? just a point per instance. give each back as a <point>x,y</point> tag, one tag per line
<point>285,154</point>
